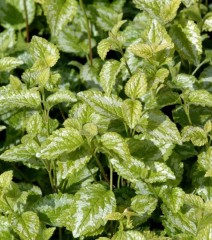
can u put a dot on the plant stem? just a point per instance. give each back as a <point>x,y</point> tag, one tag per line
<point>88,32</point>
<point>186,109</point>
<point>111,176</point>
<point>101,169</point>
<point>26,20</point>
<point>199,66</point>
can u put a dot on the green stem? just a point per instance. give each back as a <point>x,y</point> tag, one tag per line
<point>88,32</point>
<point>199,66</point>
<point>26,20</point>
<point>186,109</point>
<point>101,169</point>
<point>118,181</point>
<point>111,176</point>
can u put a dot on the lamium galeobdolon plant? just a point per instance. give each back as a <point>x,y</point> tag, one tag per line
<point>105,119</point>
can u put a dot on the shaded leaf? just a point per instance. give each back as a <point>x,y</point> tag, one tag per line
<point>59,13</point>
<point>7,40</point>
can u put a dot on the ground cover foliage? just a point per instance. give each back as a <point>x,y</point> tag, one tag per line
<point>105,119</point>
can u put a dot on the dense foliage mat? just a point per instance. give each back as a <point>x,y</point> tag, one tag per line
<point>105,119</point>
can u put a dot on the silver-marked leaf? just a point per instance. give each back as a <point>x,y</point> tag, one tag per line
<point>108,75</point>
<point>51,208</point>
<point>194,134</point>
<point>7,40</point>
<point>144,204</point>
<point>92,204</point>
<point>204,160</point>
<point>173,198</point>
<point>184,81</point>
<point>109,106</point>
<point>187,41</point>
<point>5,229</point>
<point>207,25</point>
<point>194,201</point>
<point>136,86</point>
<point>23,152</point>
<point>131,110</point>
<point>160,172</point>
<point>200,97</point>
<point>15,99</point>
<point>26,225</point>
<point>59,13</point>
<point>114,144</point>
<point>12,14</point>
<point>5,181</point>
<point>44,53</point>
<point>105,46</point>
<point>156,125</point>
<point>34,124</point>
<point>9,63</point>
<point>61,141</point>
<point>163,10</point>
<point>128,235</point>
<point>61,96</point>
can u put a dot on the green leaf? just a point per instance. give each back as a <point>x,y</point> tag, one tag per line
<point>9,63</point>
<point>136,86</point>
<point>44,53</point>
<point>21,153</point>
<point>52,208</point>
<point>92,203</point>
<point>164,10</point>
<point>59,13</point>
<point>61,141</point>
<point>34,124</point>
<point>160,172</point>
<point>128,235</point>
<point>173,198</point>
<point>184,81</point>
<point>5,180</point>
<point>155,125</point>
<point>5,230</point>
<point>193,201</point>
<point>144,205</point>
<point>108,75</point>
<point>187,41</point>
<point>114,144</point>
<point>61,96</point>
<point>105,46</point>
<point>204,160</point>
<point>109,106</point>
<point>15,8</point>
<point>26,225</point>
<point>200,97</point>
<point>131,110</point>
<point>16,99</point>
<point>207,25</point>
<point>194,134</point>
<point>7,40</point>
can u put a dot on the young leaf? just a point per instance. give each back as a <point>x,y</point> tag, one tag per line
<point>128,235</point>
<point>200,97</point>
<point>26,225</point>
<point>92,203</point>
<point>194,134</point>
<point>9,63</point>
<point>60,96</point>
<point>61,141</point>
<point>131,110</point>
<point>44,53</point>
<point>164,10</point>
<point>105,46</point>
<point>59,13</point>
<point>109,106</point>
<point>136,86</point>
<point>115,145</point>
<point>108,75</point>
<point>144,205</point>
<point>52,208</point>
<point>187,41</point>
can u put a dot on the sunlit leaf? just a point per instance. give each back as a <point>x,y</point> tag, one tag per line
<point>61,141</point>
<point>200,97</point>
<point>194,134</point>
<point>9,63</point>
<point>92,203</point>
<point>128,235</point>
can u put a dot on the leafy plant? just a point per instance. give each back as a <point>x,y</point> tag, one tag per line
<point>105,119</point>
